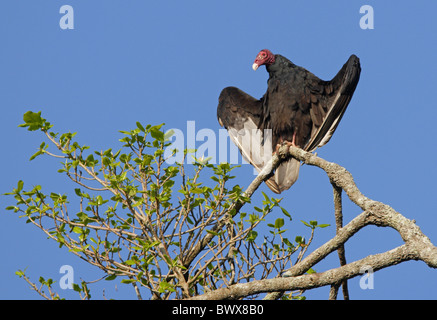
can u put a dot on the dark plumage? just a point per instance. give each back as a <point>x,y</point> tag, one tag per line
<point>298,108</point>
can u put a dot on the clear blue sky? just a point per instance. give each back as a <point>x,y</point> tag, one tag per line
<point>167,62</point>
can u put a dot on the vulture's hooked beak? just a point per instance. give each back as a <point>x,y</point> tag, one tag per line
<point>255,66</point>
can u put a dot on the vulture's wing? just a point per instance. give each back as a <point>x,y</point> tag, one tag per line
<point>329,100</point>
<point>240,114</point>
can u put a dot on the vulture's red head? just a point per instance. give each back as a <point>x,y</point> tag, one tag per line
<point>263,57</point>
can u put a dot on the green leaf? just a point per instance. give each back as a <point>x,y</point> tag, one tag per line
<point>78,192</point>
<point>128,280</point>
<point>20,186</point>
<point>111,277</point>
<point>266,198</point>
<point>19,273</point>
<point>212,232</point>
<point>279,223</point>
<point>33,121</point>
<point>288,243</point>
<point>77,230</point>
<point>36,154</point>
<point>165,286</point>
<point>311,271</point>
<point>156,133</point>
<point>90,158</point>
<point>306,223</point>
<point>168,134</point>
<point>251,236</point>
<point>131,262</point>
<point>190,151</point>
<point>285,212</point>
<point>141,127</point>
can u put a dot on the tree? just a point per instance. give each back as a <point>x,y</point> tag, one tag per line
<point>178,232</point>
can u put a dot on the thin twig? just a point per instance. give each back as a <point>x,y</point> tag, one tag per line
<point>341,250</point>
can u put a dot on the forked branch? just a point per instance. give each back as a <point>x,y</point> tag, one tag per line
<point>417,246</point>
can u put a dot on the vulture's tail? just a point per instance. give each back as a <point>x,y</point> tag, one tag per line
<point>285,176</point>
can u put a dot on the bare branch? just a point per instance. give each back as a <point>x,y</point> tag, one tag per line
<point>417,246</point>
<point>341,251</point>
<point>310,281</point>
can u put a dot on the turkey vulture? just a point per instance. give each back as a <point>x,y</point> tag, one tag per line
<point>298,108</point>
